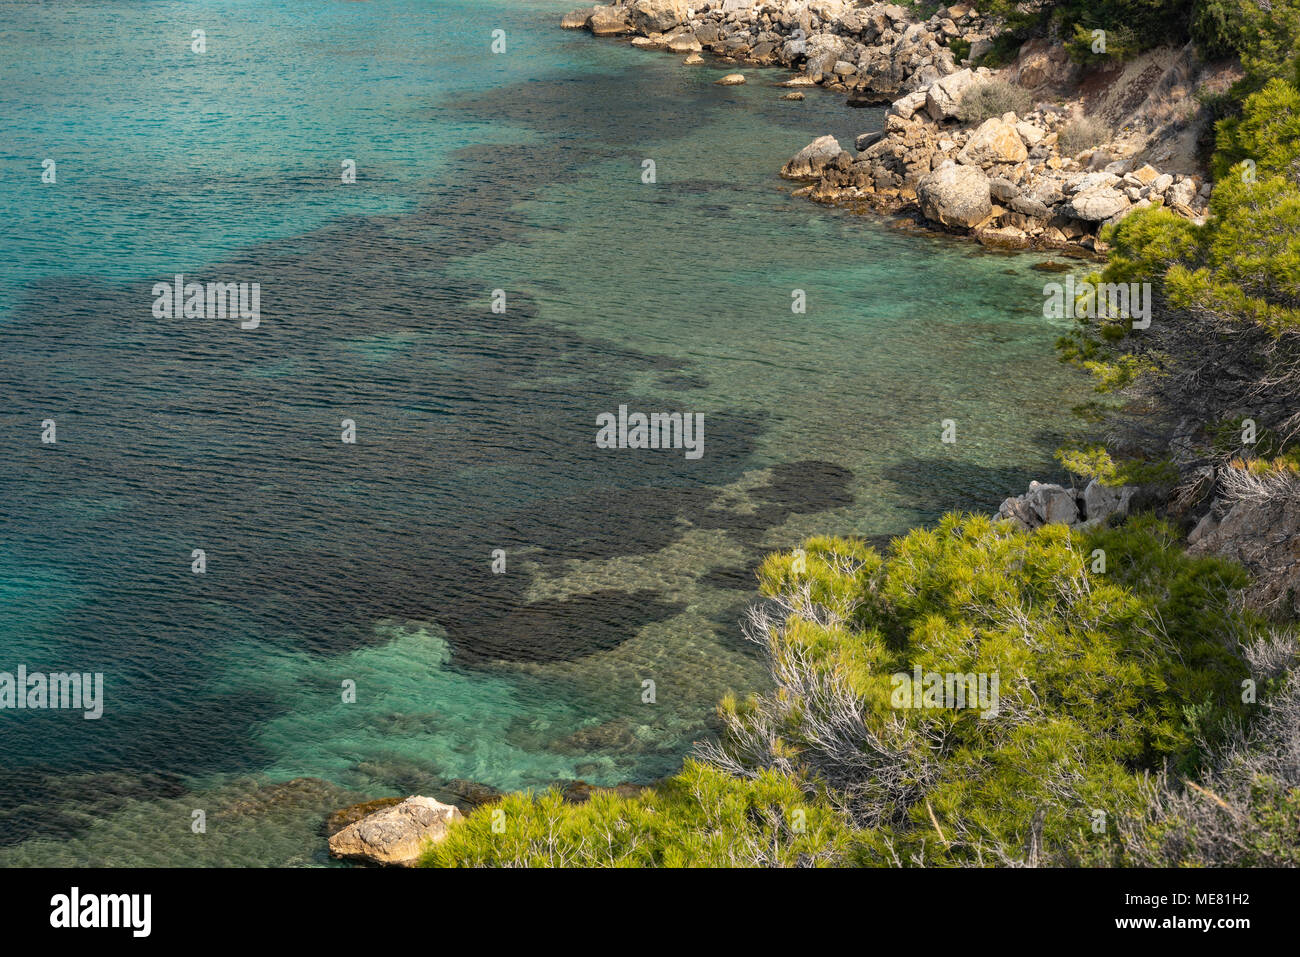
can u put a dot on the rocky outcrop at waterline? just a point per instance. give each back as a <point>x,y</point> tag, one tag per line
<point>395,835</point>
<point>872,52</point>
<point>1047,186</point>
<point>1047,504</point>
<point>1005,180</point>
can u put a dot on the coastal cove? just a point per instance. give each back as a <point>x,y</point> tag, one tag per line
<point>476,429</point>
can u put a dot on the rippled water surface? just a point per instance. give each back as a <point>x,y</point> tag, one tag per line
<point>372,562</point>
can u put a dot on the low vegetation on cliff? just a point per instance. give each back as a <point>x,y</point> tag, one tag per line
<point>1116,705</point>
<point>1209,390</point>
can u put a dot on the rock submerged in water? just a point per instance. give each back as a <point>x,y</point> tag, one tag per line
<point>731,79</point>
<point>338,820</point>
<point>578,19</point>
<point>395,835</point>
<point>580,792</point>
<point>796,95</point>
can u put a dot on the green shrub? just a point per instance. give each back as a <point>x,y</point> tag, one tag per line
<point>1118,684</point>
<point>1226,308</point>
<point>699,818</point>
<point>1098,44</point>
<point>1096,668</point>
<point>1244,809</point>
<point>993,98</point>
<point>1268,134</point>
<point>1002,52</point>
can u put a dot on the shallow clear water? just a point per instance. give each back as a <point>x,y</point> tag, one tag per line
<point>372,562</point>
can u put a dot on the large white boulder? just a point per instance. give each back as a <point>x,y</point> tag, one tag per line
<point>993,142</point>
<point>955,196</point>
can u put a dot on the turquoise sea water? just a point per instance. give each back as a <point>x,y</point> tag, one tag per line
<point>371,562</point>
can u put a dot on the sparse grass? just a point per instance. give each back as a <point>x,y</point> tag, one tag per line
<point>1082,134</point>
<point>993,98</point>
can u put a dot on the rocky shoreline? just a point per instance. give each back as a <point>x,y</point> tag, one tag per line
<point>1014,179</point>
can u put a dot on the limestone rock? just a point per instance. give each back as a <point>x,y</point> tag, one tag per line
<point>995,141</point>
<point>578,19</point>
<point>731,79</point>
<point>338,820</point>
<point>609,21</point>
<point>1030,134</point>
<point>1100,502</point>
<point>908,105</point>
<point>809,161</point>
<point>395,835</point>
<point>1043,504</point>
<point>657,16</point>
<point>1144,175</point>
<point>1003,190</point>
<point>1002,237</point>
<point>1264,535</point>
<point>1028,206</point>
<point>1181,193</point>
<point>683,43</point>
<point>955,196</point>
<point>1097,204</point>
<point>944,96</point>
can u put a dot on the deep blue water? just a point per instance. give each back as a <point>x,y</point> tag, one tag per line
<point>371,562</point>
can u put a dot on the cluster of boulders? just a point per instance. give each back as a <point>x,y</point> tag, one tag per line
<point>873,52</point>
<point>1260,532</point>
<point>1006,179</point>
<point>1046,504</point>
